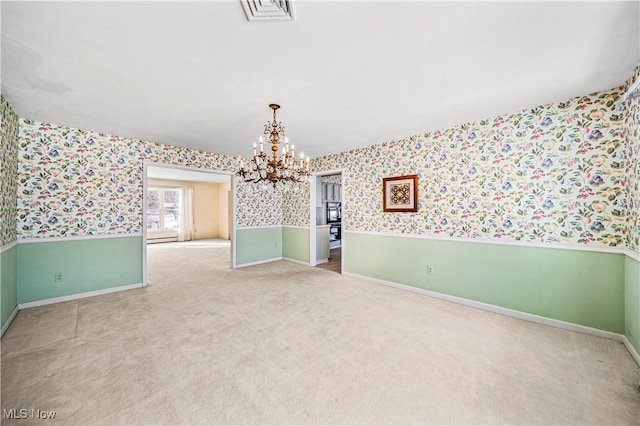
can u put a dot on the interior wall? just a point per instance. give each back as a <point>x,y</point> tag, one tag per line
<point>295,210</point>
<point>337,179</point>
<point>632,171</point>
<point>295,223</point>
<point>632,302</point>
<point>9,171</point>
<point>206,210</point>
<point>75,182</point>
<point>262,244</point>
<point>632,177</point>
<point>86,265</point>
<point>224,210</point>
<point>550,176</point>
<point>80,184</point>
<point>8,195</point>
<point>580,287</point>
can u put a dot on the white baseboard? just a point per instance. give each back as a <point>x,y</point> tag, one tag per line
<point>321,261</point>
<point>499,309</point>
<point>78,296</point>
<point>301,262</point>
<point>258,262</point>
<point>9,320</point>
<point>274,259</point>
<point>634,353</point>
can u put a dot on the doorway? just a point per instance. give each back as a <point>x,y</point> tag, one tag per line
<point>327,211</point>
<point>187,207</point>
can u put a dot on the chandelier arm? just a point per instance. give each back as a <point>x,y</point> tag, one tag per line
<point>278,171</point>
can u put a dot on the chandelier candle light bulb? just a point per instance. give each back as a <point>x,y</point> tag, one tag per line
<point>278,170</point>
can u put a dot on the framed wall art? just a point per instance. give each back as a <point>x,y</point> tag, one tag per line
<point>400,194</point>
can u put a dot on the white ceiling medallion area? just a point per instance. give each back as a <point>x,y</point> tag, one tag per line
<point>269,10</point>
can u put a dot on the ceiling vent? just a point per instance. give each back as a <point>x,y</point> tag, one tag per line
<point>269,10</point>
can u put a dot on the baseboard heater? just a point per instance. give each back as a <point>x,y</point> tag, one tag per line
<point>161,237</point>
<point>162,240</point>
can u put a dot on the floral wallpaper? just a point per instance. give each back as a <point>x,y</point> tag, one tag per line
<point>332,179</point>
<point>296,203</point>
<point>554,174</point>
<point>632,172</point>
<point>75,182</point>
<point>8,172</point>
<point>258,205</point>
<point>295,209</point>
<point>567,172</point>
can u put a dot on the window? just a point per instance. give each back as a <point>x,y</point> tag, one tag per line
<point>163,209</point>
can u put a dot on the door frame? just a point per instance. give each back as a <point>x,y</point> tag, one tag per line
<point>145,189</point>
<point>313,217</point>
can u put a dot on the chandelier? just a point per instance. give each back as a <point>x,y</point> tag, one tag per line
<point>272,168</point>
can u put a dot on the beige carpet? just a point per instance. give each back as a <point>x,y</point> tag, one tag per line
<point>284,343</point>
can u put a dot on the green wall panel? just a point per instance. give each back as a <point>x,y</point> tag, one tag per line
<point>86,265</point>
<point>295,243</point>
<point>258,244</point>
<point>575,286</point>
<point>9,283</point>
<point>632,301</point>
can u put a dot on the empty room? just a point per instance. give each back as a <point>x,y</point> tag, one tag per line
<point>311,212</point>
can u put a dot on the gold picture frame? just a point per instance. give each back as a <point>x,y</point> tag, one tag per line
<point>400,194</point>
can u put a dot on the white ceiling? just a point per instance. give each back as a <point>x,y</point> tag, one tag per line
<point>347,74</point>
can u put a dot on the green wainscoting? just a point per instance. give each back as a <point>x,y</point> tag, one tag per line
<point>258,244</point>
<point>295,243</point>
<point>579,287</point>
<point>8,283</point>
<point>86,265</point>
<point>632,301</point>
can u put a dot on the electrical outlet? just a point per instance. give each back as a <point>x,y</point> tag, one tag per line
<point>57,277</point>
<point>429,269</point>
